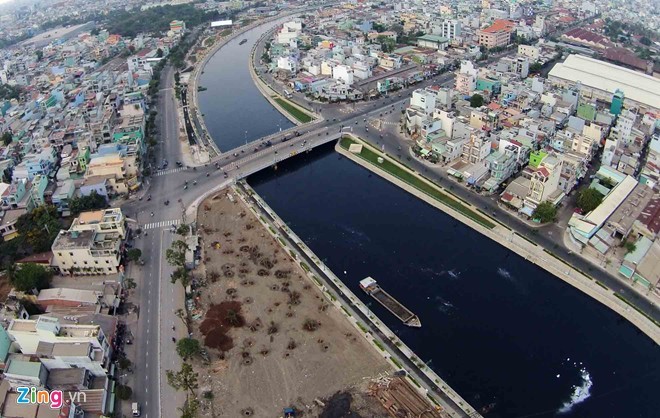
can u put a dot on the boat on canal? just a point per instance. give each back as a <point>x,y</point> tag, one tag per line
<point>242,42</point>
<point>371,287</point>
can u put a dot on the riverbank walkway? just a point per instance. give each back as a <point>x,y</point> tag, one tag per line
<point>387,167</point>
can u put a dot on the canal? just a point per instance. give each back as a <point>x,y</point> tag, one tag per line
<point>502,331</point>
<point>234,110</point>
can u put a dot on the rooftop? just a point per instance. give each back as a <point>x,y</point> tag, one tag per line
<point>609,77</point>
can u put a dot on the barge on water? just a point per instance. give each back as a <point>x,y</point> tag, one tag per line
<point>371,287</point>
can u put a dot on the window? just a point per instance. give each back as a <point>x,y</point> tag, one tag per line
<point>85,262</point>
<point>96,262</point>
<point>107,261</point>
<point>60,254</point>
<point>71,254</point>
<point>109,268</point>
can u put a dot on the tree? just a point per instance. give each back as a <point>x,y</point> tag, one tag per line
<point>31,276</point>
<point>40,54</point>
<point>124,392</point>
<point>7,137</point>
<point>545,212</point>
<point>477,100</point>
<point>129,283</point>
<point>124,363</point>
<point>183,229</point>
<point>93,201</point>
<point>386,43</point>
<point>184,379</point>
<point>645,41</point>
<point>189,409</point>
<point>188,347</point>
<point>629,246</point>
<point>588,199</point>
<point>181,275</point>
<point>39,228</point>
<point>176,254</point>
<point>535,68</point>
<point>134,254</point>
<point>159,53</point>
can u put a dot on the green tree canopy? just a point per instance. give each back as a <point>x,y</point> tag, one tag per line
<point>93,201</point>
<point>38,228</point>
<point>176,254</point>
<point>9,92</point>
<point>188,347</point>
<point>387,44</point>
<point>545,212</point>
<point>31,276</point>
<point>184,379</point>
<point>535,68</point>
<point>477,100</point>
<point>123,392</point>
<point>7,137</point>
<point>588,199</point>
<point>134,254</point>
<point>182,276</point>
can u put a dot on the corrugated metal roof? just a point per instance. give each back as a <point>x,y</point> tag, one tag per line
<point>612,201</point>
<point>609,77</point>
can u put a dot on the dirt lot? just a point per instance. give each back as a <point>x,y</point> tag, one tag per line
<point>276,342</point>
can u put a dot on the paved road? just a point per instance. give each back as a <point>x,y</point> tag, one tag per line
<point>158,298</point>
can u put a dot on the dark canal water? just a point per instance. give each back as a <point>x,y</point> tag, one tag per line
<point>234,109</point>
<point>497,328</point>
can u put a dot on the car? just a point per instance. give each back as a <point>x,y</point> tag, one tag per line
<point>179,164</point>
<point>136,409</point>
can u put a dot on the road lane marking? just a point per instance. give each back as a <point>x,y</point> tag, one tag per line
<point>161,224</point>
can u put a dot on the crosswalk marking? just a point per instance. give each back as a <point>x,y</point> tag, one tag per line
<point>161,224</point>
<point>170,171</point>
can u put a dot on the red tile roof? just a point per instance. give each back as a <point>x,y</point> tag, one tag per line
<point>500,25</point>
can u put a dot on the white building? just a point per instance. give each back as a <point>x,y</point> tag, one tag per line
<point>424,100</point>
<point>287,63</point>
<point>530,51</point>
<point>63,344</point>
<point>343,73</point>
<point>450,29</point>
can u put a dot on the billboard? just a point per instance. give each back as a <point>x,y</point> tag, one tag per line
<point>219,23</point>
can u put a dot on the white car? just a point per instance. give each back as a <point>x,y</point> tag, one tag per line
<point>136,409</point>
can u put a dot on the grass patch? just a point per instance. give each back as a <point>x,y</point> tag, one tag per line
<point>362,327</point>
<point>396,362</point>
<point>318,283</point>
<point>657,324</point>
<point>304,266</point>
<point>414,381</point>
<point>602,285</point>
<point>272,230</point>
<point>347,313</point>
<point>433,399</point>
<point>409,178</point>
<point>379,345</point>
<point>294,111</point>
<point>281,241</point>
<point>262,219</point>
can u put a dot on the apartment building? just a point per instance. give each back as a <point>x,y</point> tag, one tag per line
<point>496,35</point>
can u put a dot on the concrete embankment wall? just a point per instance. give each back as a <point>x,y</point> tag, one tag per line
<point>394,350</point>
<point>509,239</point>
